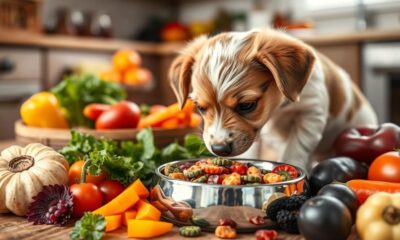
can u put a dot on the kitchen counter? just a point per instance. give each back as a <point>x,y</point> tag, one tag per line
<point>8,37</point>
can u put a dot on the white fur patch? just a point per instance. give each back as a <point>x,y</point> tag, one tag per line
<point>222,68</point>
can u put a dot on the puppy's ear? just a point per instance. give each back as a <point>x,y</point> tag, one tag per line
<point>180,72</point>
<point>290,62</point>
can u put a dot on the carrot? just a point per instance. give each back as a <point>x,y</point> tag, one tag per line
<point>146,211</point>
<point>365,188</point>
<point>113,222</point>
<point>121,203</point>
<point>195,120</point>
<point>148,228</point>
<point>140,189</point>
<point>129,214</point>
<point>171,123</point>
<point>162,115</point>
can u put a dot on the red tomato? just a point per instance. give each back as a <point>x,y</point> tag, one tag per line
<point>110,189</point>
<point>87,197</point>
<point>94,110</point>
<point>124,114</point>
<point>286,171</point>
<point>75,172</point>
<point>239,168</point>
<point>386,168</point>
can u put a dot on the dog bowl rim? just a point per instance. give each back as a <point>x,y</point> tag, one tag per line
<point>301,176</point>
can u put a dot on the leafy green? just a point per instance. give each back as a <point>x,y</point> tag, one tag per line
<point>89,227</point>
<point>126,161</point>
<point>77,91</point>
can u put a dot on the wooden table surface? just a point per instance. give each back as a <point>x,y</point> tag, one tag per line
<point>17,228</point>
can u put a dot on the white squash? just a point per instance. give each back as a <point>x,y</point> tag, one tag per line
<point>23,173</point>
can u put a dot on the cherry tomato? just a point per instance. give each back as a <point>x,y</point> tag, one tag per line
<point>94,110</point>
<point>86,197</point>
<point>110,189</point>
<point>286,171</point>
<point>75,171</point>
<point>239,168</point>
<point>386,168</point>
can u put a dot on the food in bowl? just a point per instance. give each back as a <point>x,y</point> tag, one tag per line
<point>223,171</point>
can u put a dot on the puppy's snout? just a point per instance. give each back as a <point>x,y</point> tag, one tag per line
<point>222,149</point>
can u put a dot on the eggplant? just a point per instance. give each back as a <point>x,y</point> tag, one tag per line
<point>339,169</point>
<point>344,194</point>
<point>324,217</point>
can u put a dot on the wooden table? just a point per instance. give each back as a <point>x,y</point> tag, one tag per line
<point>13,227</point>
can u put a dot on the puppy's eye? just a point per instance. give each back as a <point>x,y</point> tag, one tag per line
<point>201,109</point>
<point>246,107</point>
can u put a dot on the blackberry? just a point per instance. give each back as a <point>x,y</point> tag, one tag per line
<point>275,206</point>
<point>287,220</point>
<point>295,201</point>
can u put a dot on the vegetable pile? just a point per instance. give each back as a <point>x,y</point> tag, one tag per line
<point>126,161</point>
<point>228,172</point>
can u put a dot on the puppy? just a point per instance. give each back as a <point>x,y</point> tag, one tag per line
<point>264,94</point>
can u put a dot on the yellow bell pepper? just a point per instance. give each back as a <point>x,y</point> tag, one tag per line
<point>43,110</point>
<point>379,217</point>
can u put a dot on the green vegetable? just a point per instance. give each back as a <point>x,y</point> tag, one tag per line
<point>89,227</point>
<point>190,231</point>
<point>77,91</point>
<point>199,222</point>
<point>126,161</point>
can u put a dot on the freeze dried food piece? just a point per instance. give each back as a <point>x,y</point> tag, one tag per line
<point>193,172</point>
<point>190,231</point>
<point>253,170</point>
<point>212,169</point>
<point>201,179</point>
<point>272,178</point>
<point>227,222</point>
<point>222,162</point>
<point>171,168</point>
<point>225,232</point>
<point>232,179</point>
<point>177,175</point>
<point>251,179</point>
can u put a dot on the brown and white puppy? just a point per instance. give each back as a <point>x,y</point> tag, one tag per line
<point>267,95</point>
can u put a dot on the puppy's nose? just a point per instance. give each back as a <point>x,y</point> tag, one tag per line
<point>222,149</point>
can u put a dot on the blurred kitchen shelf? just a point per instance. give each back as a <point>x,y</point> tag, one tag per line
<point>23,38</point>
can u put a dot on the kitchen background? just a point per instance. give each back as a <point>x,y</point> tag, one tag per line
<point>42,40</point>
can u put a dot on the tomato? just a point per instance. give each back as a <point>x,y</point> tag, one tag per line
<point>75,172</point>
<point>86,196</point>
<point>286,171</point>
<point>110,189</point>
<point>239,168</point>
<point>136,76</point>
<point>124,114</point>
<point>94,110</point>
<point>386,168</point>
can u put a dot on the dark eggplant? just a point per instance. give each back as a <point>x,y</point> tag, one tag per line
<point>344,194</point>
<point>326,218</point>
<point>339,169</point>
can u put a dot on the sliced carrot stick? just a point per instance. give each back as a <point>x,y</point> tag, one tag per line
<point>162,115</point>
<point>140,189</point>
<point>170,123</point>
<point>148,228</point>
<point>121,203</point>
<point>195,120</point>
<point>146,211</point>
<point>129,214</point>
<point>113,222</point>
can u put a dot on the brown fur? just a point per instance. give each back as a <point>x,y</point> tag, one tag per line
<point>337,98</point>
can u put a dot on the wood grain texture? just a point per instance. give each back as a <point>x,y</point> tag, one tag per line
<point>17,228</point>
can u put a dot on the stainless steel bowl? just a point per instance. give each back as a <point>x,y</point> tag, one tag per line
<point>180,200</point>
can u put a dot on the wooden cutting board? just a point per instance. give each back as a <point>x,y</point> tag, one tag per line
<point>17,228</point>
